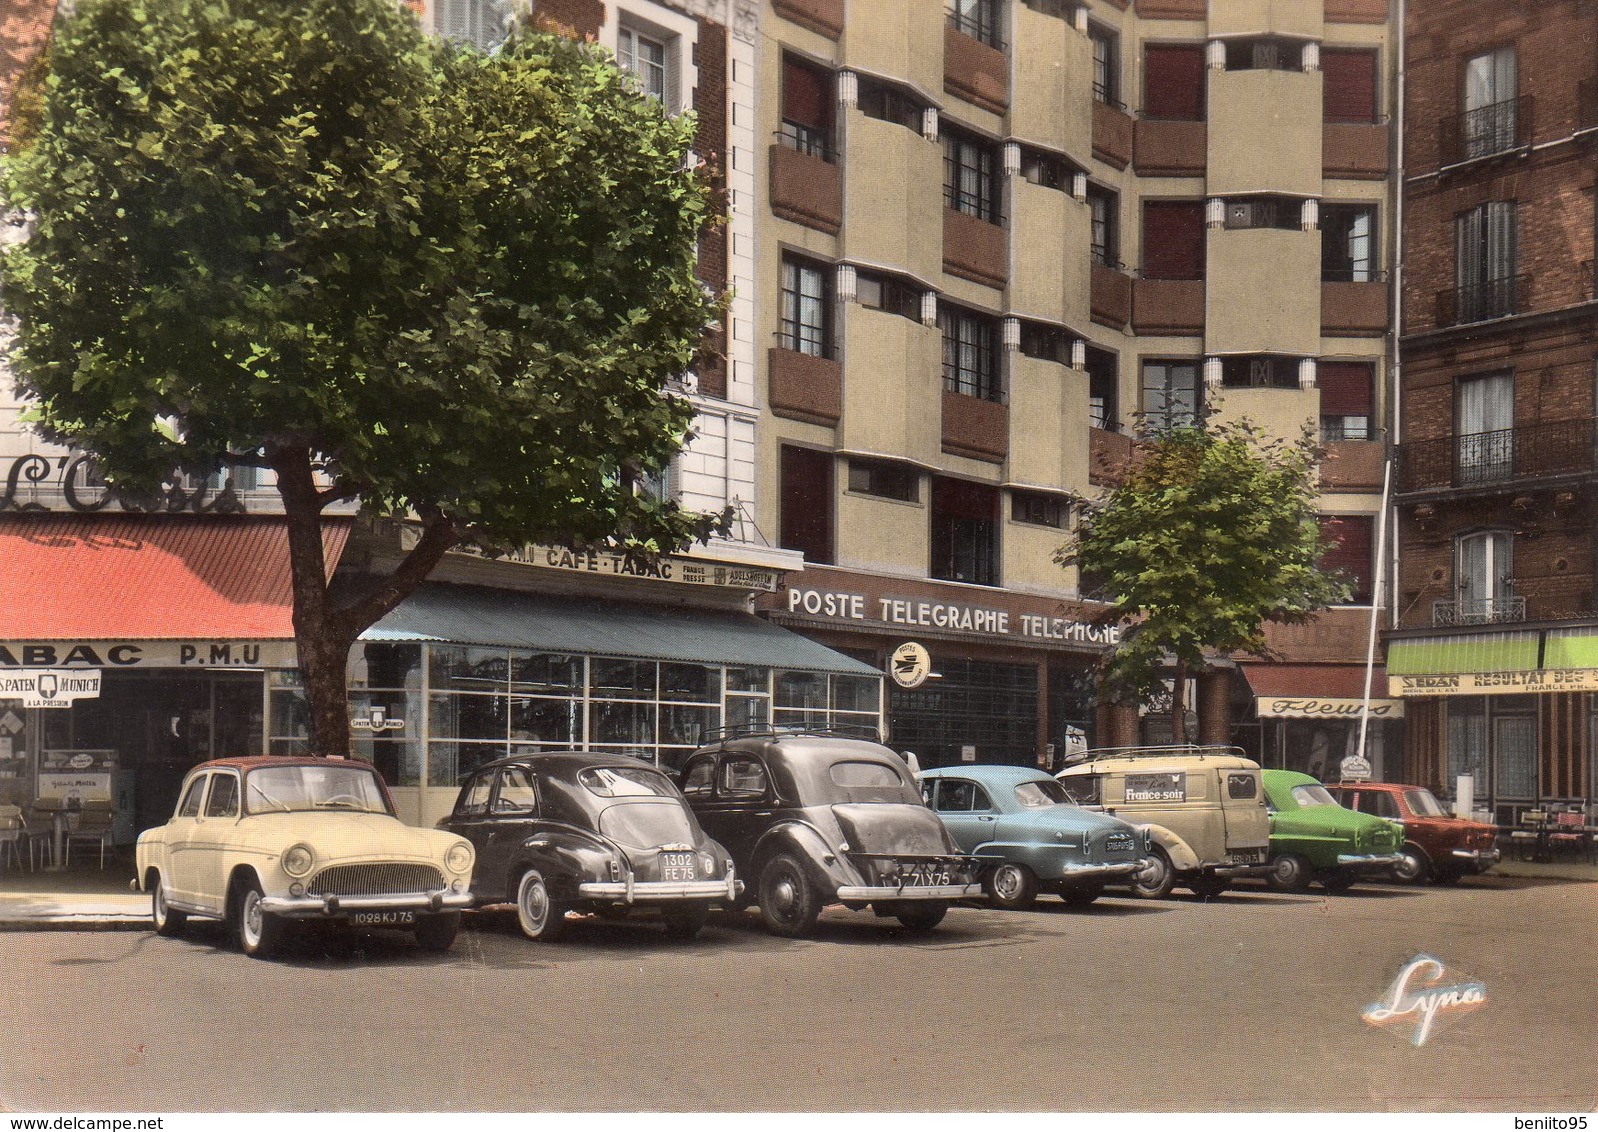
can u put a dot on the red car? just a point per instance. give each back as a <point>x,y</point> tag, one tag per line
<point>1437,846</point>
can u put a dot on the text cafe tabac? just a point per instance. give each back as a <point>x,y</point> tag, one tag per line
<point>960,617</point>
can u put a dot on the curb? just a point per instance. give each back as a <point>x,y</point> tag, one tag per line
<point>100,924</point>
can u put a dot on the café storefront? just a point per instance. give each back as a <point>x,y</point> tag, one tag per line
<point>1308,718</point>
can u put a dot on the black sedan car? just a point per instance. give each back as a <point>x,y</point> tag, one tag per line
<point>578,831</point>
<point>814,818</point>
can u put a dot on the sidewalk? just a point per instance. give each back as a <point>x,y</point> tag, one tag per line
<point>95,900</point>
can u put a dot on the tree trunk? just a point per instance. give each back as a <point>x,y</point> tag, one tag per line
<point>1178,706</point>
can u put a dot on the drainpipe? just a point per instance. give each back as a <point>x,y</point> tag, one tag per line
<point>1395,391</point>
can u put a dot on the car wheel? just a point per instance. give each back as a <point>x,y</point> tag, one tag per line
<point>789,903</point>
<point>168,921</point>
<point>1080,896</point>
<point>1156,881</point>
<point>1209,887</point>
<point>683,921</point>
<point>1289,873</point>
<point>1414,868</point>
<point>540,916</point>
<point>437,932</point>
<point>1338,882</point>
<point>922,916</point>
<point>260,932</point>
<point>1012,887</point>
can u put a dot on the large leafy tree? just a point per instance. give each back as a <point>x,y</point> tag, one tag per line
<point>1212,534</point>
<point>451,285</point>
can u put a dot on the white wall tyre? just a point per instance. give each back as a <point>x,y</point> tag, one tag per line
<point>260,933</point>
<point>540,916</point>
<point>168,921</point>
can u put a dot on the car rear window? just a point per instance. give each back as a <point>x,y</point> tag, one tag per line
<point>626,782</point>
<point>1313,794</point>
<point>860,781</point>
<point>864,774</point>
<point>1040,792</point>
<point>647,824</point>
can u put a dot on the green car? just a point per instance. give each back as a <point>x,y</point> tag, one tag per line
<point>1315,839</point>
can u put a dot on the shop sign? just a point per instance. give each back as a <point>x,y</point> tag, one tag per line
<point>376,720</point>
<point>910,665</point>
<point>835,605</point>
<point>1502,683</point>
<point>1164,787</point>
<point>609,564</point>
<point>146,654</point>
<point>1325,707</point>
<point>48,687</point>
<point>1355,768</point>
<point>76,482</point>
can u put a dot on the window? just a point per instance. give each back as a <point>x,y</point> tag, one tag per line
<point>1484,566</point>
<point>961,796</point>
<point>977,18</point>
<point>699,779</point>
<point>1105,240</point>
<point>1259,371</point>
<point>190,806</point>
<point>516,793</point>
<point>1349,550</point>
<point>1380,803</point>
<point>1346,400</point>
<point>1173,84</point>
<point>889,481</point>
<point>1173,239</point>
<point>1040,340</point>
<point>1241,786</point>
<point>1083,789</point>
<point>806,108</point>
<point>1348,92</point>
<point>1106,64</point>
<point>1489,124</point>
<point>1038,509</point>
<point>885,293</point>
<point>965,532</point>
<point>1484,415</point>
<point>1264,54</point>
<point>645,58</point>
<point>1045,169</point>
<point>1348,243</point>
<point>741,777</point>
<point>482,23</point>
<point>806,502</point>
<point>473,800</point>
<point>1103,388</point>
<point>1264,212</point>
<point>889,104</point>
<point>806,308</point>
<point>970,364</point>
<point>1485,262</point>
<point>968,184</point>
<point>223,801</point>
<point>1170,394</point>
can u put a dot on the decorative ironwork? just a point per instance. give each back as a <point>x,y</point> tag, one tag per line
<point>1479,611</point>
<point>1498,127</point>
<point>1478,302</point>
<point>1498,457</point>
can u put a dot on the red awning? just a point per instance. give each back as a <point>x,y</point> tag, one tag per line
<point>1322,681</point>
<point>149,577</point>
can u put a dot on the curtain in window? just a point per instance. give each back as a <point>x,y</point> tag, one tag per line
<point>1490,107</point>
<point>1485,261</point>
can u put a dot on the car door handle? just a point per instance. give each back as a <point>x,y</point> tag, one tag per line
<point>986,818</point>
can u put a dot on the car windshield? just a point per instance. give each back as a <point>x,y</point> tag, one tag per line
<point>1313,794</point>
<point>646,825</point>
<point>1041,792</point>
<point>626,782</point>
<point>1424,803</point>
<point>284,789</point>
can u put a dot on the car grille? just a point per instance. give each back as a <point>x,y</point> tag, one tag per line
<point>375,880</point>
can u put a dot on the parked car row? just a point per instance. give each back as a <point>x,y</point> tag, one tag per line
<point>790,820</point>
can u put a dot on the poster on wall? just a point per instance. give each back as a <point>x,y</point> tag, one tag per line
<point>75,776</point>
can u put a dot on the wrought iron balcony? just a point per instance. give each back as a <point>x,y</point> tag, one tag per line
<point>1499,127</point>
<point>1478,302</point>
<point>1479,611</point>
<point>1504,456</point>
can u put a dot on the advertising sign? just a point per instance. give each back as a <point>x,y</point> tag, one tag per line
<point>1502,683</point>
<point>1168,786</point>
<point>75,776</point>
<point>1324,707</point>
<point>910,665</point>
<point>48,687</point>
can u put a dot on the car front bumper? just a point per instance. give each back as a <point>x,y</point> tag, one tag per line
<point>869,892</point>
<point>630,891</point>
<point>307,907</point>
<point>1364,862</point>
<point>1477,856</point>
<point>1256,870</point>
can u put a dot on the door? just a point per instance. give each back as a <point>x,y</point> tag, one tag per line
<point>182,863</point>
<point>1515,756</point>
<point>967,812</point>
<point>1490,90</point>
<point>470,820</point>
<point>217,825</point>
<point>512,818</point>
<point>1486,421</point>
<point>731,797</point>
<point>1243,814</point>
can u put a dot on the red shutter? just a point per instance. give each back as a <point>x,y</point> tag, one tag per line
<point>1346,389</point>
<point>1173,239</point>
<point>965,500</point>
<point>1351,551</point>
<point>806,94</point>
<point>1173,83</point>
<point>1350,86</point>
<point>806,497</point>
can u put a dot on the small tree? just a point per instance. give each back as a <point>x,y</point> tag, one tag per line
<point>301,233</point>
<point>1212,534</point>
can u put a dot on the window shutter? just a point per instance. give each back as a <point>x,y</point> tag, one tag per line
<point>962,499</point>
<point>1173,240</point>
<point>806,500</point>
<point>1350,86</point>
<point>1173,84</point>
<point>1500,239</point>
<point>1468,248</point>
<point>806,94</point>
<point>1346,389</point>
<point>1350,552</point>
<point>673,96</point>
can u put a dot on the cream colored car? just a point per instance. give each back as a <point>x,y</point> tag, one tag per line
<point>1203,806</point>
<point>260,842</point>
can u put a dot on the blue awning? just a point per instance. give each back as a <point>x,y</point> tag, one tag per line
<point>477,615</point>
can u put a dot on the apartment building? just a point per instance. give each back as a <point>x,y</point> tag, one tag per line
<point>997,233</point>
<point>1495,650</point>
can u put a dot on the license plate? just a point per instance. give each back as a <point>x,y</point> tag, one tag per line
<point>925,875</point>
<point>678,867</point>
<point>1245,857</point>
<point>382,919</point>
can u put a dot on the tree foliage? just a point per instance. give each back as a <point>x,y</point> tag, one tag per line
<point>450,284</point>
<point>1212,534</point>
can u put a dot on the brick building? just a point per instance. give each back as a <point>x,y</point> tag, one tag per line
<point>1495,650</point>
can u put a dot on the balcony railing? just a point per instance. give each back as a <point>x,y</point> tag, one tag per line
<point>1478,302</point>
<point>1479,611</point>
<point>1498,127</point>
<point>806,139</point>
<point>1503,456</point>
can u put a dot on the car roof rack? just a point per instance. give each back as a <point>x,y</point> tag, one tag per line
<point>1161,751</point>
<point>716,735</point>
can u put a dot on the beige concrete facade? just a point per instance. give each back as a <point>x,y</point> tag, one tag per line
<point>1264,133</point>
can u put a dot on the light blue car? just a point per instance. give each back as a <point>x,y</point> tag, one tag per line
<point>1022,821</point>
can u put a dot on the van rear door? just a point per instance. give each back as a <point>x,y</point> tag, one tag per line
<point>1248,826</point>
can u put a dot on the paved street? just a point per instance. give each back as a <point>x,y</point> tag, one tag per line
<point>1249,1002</point>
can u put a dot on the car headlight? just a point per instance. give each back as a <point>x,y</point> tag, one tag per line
<point>298,860</point>
<point>459,858</point>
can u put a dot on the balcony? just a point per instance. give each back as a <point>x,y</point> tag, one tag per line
<point>1355,150</point>
<point>824,17</point>
<point>974,249</point>
<point>1352,465</point>
<point>1499,127</point>
<point>1112,134</point>
<point>1110,295</point>
<point>1358,309</point>
<point>975,427</point>
<point>806,185</point>
<point>975,71</point>
<point>1356,11</point>
<point>1168,306</point>
<point>1170,148</point>
<point>804,387</point>
<point>1109,457</point>
<point>1496,298</point>
<point>1478,611</point>
<point>1502,457</point>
